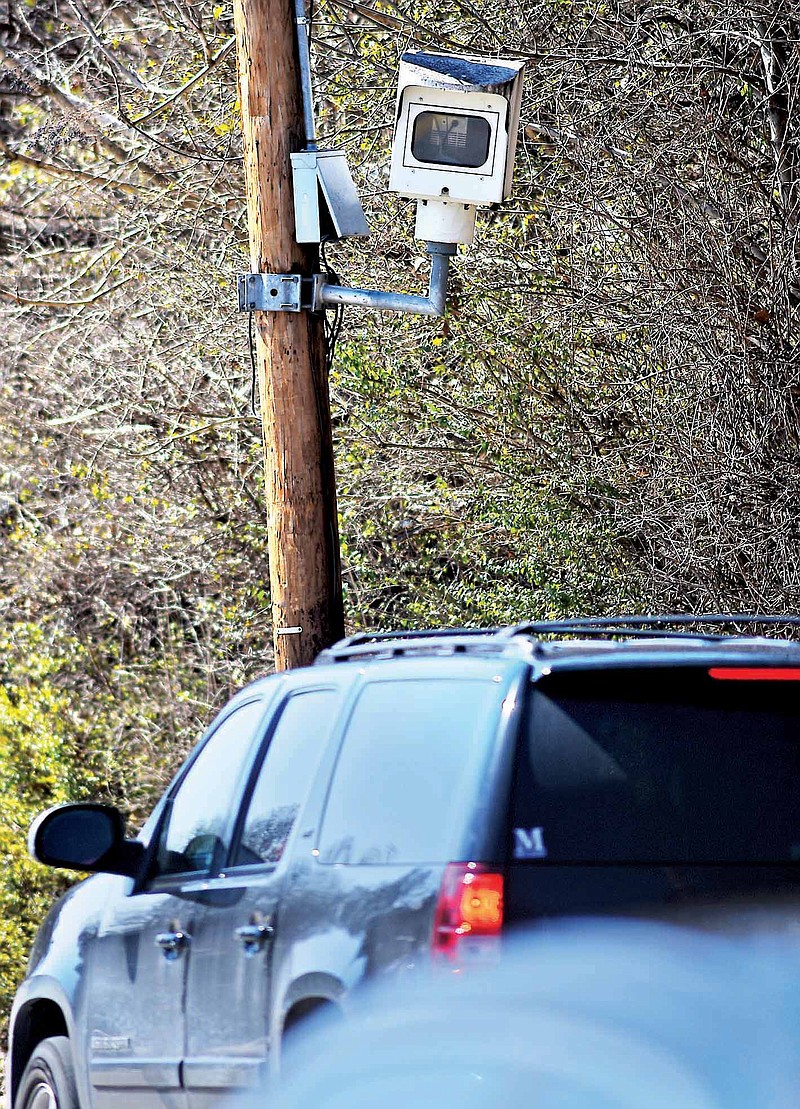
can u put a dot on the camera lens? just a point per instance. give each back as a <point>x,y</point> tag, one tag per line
<point>445,138</point>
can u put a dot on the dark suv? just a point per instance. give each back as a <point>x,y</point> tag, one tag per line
<point>405,799</point>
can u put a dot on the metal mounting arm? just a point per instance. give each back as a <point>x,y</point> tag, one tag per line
<point>328,296</point>
<point>289,292</point>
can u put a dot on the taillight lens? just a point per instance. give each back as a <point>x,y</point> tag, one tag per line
<point>470,904</point>
<point>755,674</point>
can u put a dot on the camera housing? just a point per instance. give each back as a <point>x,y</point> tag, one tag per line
<point>455,138</point>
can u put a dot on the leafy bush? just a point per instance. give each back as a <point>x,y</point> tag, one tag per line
<point>38,768</point>
<point>69,734</point>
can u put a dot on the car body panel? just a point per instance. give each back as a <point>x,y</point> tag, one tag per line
<point>56,973</point>
<point>228,988</point>
<point>133,1007</point>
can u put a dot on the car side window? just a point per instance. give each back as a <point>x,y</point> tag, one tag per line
<point>286,775</point>
<point>409,749</point>
<point>194,836</point>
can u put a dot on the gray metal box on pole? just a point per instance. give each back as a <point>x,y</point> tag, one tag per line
<point>326,203</point>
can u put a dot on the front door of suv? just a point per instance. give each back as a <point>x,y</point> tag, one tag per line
<point>138,962</point>
<point>229,984</point>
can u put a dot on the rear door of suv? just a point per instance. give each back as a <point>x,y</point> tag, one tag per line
<point>640,787</point>
<point>229,987</point>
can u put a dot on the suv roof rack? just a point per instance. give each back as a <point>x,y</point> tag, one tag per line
<point>388,644</point>
<point>668,626</point>
<point>425,633</point>
<point>657,626</point>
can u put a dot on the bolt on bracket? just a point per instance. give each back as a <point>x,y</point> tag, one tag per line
<point>270,292</point>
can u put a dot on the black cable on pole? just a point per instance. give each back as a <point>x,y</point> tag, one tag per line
<point>333,326</point>
<point>253,369</point>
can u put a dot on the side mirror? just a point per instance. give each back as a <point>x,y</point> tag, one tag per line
<point>87,837</point>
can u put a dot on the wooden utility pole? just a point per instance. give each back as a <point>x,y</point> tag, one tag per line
<point>291,351</point>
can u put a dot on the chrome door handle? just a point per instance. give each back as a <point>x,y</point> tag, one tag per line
<point>173,944</point>
<point>253,936</point>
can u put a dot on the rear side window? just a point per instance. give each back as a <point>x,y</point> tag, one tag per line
<point>409,750</point>
<point>286,774</point>
<point>660,765</point>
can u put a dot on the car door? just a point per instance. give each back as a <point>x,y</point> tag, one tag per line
<point>137,963</point>
<point>229,975</point>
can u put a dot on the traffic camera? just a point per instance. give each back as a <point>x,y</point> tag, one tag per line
<point>455,138</point>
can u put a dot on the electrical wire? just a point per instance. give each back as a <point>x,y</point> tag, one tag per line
<point>334,321</point>
<point>333,327</point>
<point>333,324</point>
<point>253,371</point>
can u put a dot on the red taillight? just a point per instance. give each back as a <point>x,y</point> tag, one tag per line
<point>754,674</point>
<point>470,904</point>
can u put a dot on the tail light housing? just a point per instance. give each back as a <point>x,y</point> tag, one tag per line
<point>755,673</point>
<point>470,905</point>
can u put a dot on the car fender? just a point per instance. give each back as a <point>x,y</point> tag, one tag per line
<point>41,988</point>
<point>55,974</point>
<point>314,984</point>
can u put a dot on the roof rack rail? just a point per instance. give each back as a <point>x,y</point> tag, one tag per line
<point>668,626</point>
<point>361,638</point>
<point>363,644</point>
<point>659,626</point>
<point>601,631</point>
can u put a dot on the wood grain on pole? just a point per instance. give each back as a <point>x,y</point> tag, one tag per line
<point>305,580</point>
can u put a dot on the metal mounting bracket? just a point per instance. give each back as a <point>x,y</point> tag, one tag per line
<point>270,292</point>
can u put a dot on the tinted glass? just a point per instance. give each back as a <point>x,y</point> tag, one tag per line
<point>409,748</point>
<point>660,766</point>
<point>451,140</point>
<point>286,775</point>
<point>195,835</point>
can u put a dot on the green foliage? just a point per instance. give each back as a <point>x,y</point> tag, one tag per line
<point>75,726</point>
<point>467,493</point>
<point>44,741</point>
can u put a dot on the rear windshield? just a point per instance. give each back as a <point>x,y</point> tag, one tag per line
<point>660,766</point>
